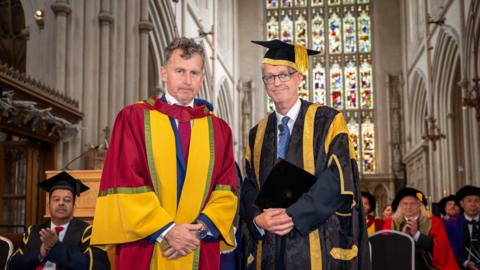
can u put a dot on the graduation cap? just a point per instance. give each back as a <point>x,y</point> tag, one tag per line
<point>282,53</point>
<point>63,180</point>
<point>406,191</point>
<point>371,200</point>
<point>443,202</point>
<point>467,191</point>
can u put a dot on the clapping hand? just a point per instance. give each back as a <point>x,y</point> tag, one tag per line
<point>49,238</point>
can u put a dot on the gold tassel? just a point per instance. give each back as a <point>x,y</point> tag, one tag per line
<point>301,58</point>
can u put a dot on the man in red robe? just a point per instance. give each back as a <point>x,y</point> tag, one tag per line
<point>432,248</point>
<point>167,195</point>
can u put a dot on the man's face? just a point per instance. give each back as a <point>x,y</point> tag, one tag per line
<point>183,76</point>
<point>366,205</point>
<point>61,204</point>
<point>452,209</point>
<point>471,205</point>
<point>282,92</point>
<point>410,206</point>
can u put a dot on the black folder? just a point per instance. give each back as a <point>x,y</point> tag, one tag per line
<point>284,186</point>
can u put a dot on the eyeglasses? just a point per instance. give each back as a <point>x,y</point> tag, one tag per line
<point>283,77</point>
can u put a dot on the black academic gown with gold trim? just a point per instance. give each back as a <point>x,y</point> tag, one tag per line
<point>329,223</point>
<point>74,252</point>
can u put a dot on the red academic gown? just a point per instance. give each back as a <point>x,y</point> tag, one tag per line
<point>442,255</point>
<point>374,224</point>
<point>140,192</point>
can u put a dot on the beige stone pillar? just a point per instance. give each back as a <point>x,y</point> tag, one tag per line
<point>145,26</point>
<point>131,56</point>
<point>61,10</point>
<point>105,19</point>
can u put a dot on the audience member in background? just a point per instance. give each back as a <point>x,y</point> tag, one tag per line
<point>432,249</point>
<point>369,204</point>
<point>387,211</point>
<point>63,242</point>
<point>449,207</point>
<point>464,232</point>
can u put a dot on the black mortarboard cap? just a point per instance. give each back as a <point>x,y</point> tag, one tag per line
<point>407,191</point>
<point>467,191</point>
<point>282,53</point>
<point>285,184</point>
<point>443,202</point>
<point>371,200</point>
<point>63,180</point>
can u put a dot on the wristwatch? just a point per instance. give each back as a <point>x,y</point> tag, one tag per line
<point>203,232</point>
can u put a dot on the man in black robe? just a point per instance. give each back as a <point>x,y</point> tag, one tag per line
<point>64,241</point>
<point>325,227</point>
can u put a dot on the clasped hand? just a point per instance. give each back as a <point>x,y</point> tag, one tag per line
<point>49,238</point>
<point>181,240</point>
<point>275,220</point>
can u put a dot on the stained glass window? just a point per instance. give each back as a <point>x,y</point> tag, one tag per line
<point>354,130</point>
<point>286,3</point>
<point>334,34</point>
<point>341,75</point>
<point>333,2</point>
<point>286,26</point>
<point>319,90</point>
<point>272,4</point>
<point>318,34</point>
<point>303,91</point>
<point>300,3</point>
<point>317,3</point>
<point>366,85</point>
<point>272,25</point>
<point>336,86</point>
<point>364,43</point>
<point>301,34</point>
<point>368,147</point>
<point>351,85</point>
<point>349,42</point>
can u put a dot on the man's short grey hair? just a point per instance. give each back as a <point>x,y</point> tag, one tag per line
<point>188,46</point>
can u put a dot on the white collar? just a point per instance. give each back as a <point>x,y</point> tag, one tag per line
<point>65,226</point>
<point>172,101</point>
<point>292,113</point>
<point>470,218</point>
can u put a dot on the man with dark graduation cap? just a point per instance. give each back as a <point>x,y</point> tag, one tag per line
<point>64,241</point>
<point>464,231</point>
<point>325,227</point>
<point>448,207</point>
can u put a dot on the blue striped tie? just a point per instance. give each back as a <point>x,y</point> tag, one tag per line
<point>283,137</point>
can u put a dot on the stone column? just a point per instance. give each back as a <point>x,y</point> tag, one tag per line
<point>131,56</point>
<point>145,26</point>
<point>61,10</point>
<point>105,19</point>
<point>464,84</point>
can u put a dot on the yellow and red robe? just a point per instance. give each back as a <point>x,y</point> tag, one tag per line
<point>138,189</point>
<point>374,224</point>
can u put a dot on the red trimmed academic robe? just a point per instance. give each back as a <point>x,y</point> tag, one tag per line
<point>138,189</point>
<point>441,254</point>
